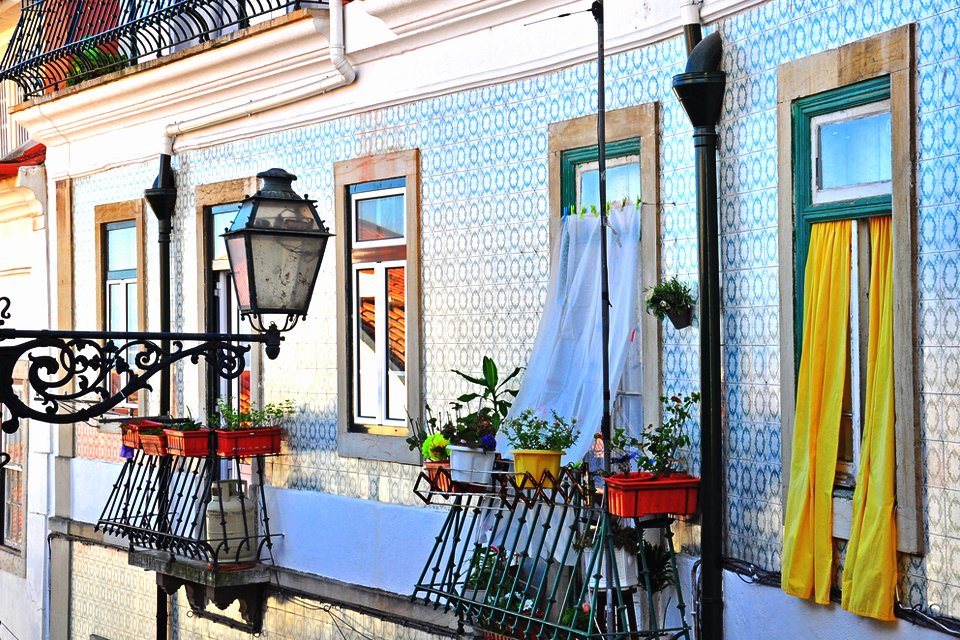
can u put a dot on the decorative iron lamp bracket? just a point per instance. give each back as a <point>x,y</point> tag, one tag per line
<point>70,368</point>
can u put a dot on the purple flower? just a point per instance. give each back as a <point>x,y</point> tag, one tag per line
<point>488,442</point>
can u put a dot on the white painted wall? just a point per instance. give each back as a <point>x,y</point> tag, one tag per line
<point>754,612</point>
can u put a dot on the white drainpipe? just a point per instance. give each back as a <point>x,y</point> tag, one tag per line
<point>344,74</point>
<point>690,18</point>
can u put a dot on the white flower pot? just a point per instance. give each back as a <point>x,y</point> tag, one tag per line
<point>626,569</point>
<point>471,465</point>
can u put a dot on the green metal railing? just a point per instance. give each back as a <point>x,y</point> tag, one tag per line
<point>526,560</point>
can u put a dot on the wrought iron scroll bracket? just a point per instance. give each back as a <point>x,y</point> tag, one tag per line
<point>74,376</point>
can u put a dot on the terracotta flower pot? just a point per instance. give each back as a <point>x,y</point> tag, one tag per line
<point>632,495</point>
<point>132,429</point>
<point>248,442</point>
<point>439,481</point>
<point>188,444</point>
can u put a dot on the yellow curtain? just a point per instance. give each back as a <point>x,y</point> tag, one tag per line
<point>807,539</point>
<point>870,569</point>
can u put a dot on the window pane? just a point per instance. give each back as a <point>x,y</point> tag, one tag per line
<point>221,218</point>
<point>122,248</point>
<point>366,347</point>
<point>623,181</point>
<point>116,313</point>
<point>133,322</point>
<point>396,344</point>
<point>380,218</point>
<point>856,151</point>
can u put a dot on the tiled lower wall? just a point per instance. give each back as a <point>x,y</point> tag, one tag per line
<point>111,599</point>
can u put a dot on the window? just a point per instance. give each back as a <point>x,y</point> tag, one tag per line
<point>632,174</point>
<point>217,206</point>
<point>378,306</point>
<point>12,485</point>
<point>120,299</point>
<point>847,135</point>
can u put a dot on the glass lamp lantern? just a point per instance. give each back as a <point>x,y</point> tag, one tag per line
<point>275,247</point>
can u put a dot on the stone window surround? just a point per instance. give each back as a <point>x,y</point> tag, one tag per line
<point>890,53</point>
<point>396,164</point>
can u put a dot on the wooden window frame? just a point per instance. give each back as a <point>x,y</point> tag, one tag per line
<point>890,54</point>
<point>350,442</point>
<point>207,196</point>
<point>569,142</point>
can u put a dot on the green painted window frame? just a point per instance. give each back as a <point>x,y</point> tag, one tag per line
<point>807,213</point>
<point>570,158</point>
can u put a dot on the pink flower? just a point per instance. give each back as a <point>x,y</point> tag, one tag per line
<point>585,606</point>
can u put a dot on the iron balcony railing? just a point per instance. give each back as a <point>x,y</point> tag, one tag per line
<point>59,43</point>
<point>524,560</point>
<point>176,505</point>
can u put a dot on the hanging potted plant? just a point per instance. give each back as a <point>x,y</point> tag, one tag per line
<point>672,299</point>
<point>254,432</point>
<point>473,436</point>
<point>187,438</point>
<point>538,445</point>
<point>656,488</point>
<point>152,441</point>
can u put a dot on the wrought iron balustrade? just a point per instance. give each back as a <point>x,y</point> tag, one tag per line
<point>60,43</point>
<point>161,503</point>
<point>521,559</point>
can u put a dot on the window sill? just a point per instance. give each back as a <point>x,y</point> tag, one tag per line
<point>843,522</point>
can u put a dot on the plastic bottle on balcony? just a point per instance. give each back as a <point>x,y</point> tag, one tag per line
<point>232,523</point>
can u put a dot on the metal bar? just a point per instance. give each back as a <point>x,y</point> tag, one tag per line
<point>8,334</point>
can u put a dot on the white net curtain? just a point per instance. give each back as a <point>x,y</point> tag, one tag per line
<point>565,370</point>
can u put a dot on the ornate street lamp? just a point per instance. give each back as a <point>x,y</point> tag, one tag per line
<point>275,248</point>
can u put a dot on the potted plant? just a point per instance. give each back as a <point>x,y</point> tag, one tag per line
<point>578,618</point>
<point>253,432</point>
<point>486,572</point>
<point>672,299</point>
<point>473,436</point>
<point>538,444</point>
<point>187,438</point>
<point>626,546</point>
<point>660,576</point>
<point>426,437</point>
<point>132,429</point>
<point>503,623</point>
<point>655,488</point>
<point>152,441</point>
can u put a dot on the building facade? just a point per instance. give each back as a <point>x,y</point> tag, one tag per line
<point>462,111</point>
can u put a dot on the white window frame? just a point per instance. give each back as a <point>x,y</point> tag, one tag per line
<point>846,192</point>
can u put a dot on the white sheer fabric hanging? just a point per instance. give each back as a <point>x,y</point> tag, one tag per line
<point>565,369</point>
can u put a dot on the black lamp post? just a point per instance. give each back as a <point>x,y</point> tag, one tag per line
<point>275,249</point>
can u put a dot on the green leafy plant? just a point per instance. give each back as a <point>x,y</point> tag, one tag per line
<point>152,431</point>
<point>660,444</point>
<point>186,424</point>
<point>659,566</point>
<point>479,428</point>
<point>669,295</point>
<point>93,62</point>
<point>577,617</point>
<point>530,431</point>
<point>422,430</point>
<point>624,448</point>
<point>621,536</point>
<point>270,415</point>
<point>487,566</point>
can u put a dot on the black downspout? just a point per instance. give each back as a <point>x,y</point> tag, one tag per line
<point>162,198</point>
<point>700,90</point>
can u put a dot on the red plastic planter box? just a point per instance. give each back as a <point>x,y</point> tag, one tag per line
<point>188,444</point>
<point>248,442</point>
<point>154,444</point>
<point>633,495</point>
<point>132,429</point>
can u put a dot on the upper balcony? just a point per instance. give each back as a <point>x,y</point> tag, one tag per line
<point>61,43</point>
